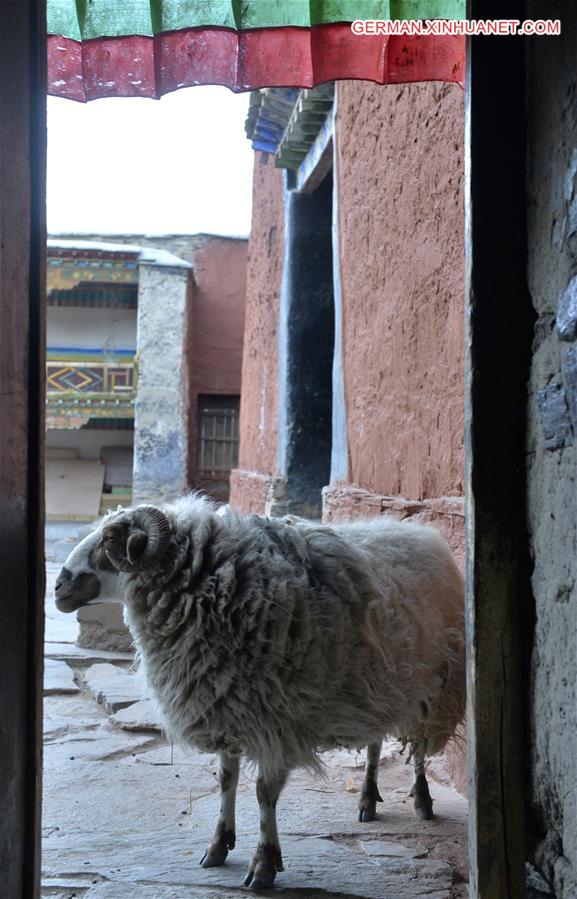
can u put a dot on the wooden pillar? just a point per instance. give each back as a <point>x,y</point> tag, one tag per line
<point>499,323</point>
<point>22,304</point>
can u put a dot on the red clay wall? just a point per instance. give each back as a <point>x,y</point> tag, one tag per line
<point>218,301</point>
<point>216,325</point>
<point>400,173</point>
<point>251,482</point>
<point>399,157</point>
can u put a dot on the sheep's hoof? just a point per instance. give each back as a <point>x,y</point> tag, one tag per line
<point>265,863</point>
<point>214,857</point>
<point>368,802</point>
<point>216,854</point>
<point>368,813</point>
<point>423,802</point>
<point>424,811</point>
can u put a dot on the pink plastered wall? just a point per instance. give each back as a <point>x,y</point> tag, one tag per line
<point>259,404</point>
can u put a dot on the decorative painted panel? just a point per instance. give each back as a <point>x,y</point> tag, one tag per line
<point>78,377</point>
<point>93,384</point>
<point>65,272</point>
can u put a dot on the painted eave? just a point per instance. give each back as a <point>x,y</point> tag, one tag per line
<point>146,255</point>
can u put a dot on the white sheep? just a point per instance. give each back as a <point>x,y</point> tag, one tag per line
<point>274,639</point>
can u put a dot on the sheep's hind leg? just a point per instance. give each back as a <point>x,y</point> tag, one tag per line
<point>370,792</point>
<point>267,859</point>
<point>420,791</point>
<point>224,835</point>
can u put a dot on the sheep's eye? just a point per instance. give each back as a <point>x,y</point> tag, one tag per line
<point>109,538</point>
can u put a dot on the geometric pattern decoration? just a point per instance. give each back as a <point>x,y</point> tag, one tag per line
<point>82,385</point>
<point>100,378</point>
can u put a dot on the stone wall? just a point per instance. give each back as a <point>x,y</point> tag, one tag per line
<point>552,447</point>
<point>161,415</point>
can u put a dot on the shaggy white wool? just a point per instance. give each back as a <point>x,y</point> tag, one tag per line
<point>275,639</point>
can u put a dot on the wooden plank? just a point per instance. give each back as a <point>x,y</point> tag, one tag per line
<point>22,302</point>
<point>498,345</point>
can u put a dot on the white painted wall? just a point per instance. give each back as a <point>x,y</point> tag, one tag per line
<point>88,443</point>
<point>79,327</point>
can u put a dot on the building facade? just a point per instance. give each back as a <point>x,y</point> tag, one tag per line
<point>353,371</point>
<point>104,301</point>
<point>213,341</point>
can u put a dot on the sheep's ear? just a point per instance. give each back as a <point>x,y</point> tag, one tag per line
<point>135,546</point>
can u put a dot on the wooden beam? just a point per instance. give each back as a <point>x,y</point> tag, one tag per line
<point>499,323</point>
<point>22,304</point>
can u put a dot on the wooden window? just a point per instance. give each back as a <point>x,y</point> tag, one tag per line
<point>218,434</point>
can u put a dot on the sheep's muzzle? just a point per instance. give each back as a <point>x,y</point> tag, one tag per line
<point>74,591</point>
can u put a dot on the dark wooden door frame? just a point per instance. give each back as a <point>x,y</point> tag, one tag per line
<point>497,342</point>
<point>22,305</point>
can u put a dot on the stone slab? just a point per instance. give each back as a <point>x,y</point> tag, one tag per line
<point>102,626</point>
<point>58,678</point>
<point>89,741</point>
<point>66,885</point>
<point>142,891</point>
<point>127,801</point>
<point>114,688</point>
<point>143,715</point>
<point>81,656</point>
<point>311,864</point>
<point>129,810</point>
<point>376,849</point>
<point>158,839</point>
<point>68,709</point>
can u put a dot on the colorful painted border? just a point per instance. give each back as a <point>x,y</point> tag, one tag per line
<point>144,66</point>
<point>82,21</point>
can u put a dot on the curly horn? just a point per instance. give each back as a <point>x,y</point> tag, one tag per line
<point>156,527</point>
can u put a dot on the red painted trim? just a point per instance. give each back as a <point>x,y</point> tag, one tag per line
<point>268,57</point>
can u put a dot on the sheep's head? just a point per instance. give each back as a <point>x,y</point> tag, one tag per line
<point>129,540</point>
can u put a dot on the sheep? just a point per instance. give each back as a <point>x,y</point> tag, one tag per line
<point>274,639</point>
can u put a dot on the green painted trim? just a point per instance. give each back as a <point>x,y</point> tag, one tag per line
<point>82,20</point>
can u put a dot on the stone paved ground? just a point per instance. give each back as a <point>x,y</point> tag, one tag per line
<point>126,816</point>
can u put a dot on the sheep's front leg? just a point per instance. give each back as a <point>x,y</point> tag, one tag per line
<point>224,835</point>
<point>267,859</point>
<point>369,791</point>
<point>420,790</point>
